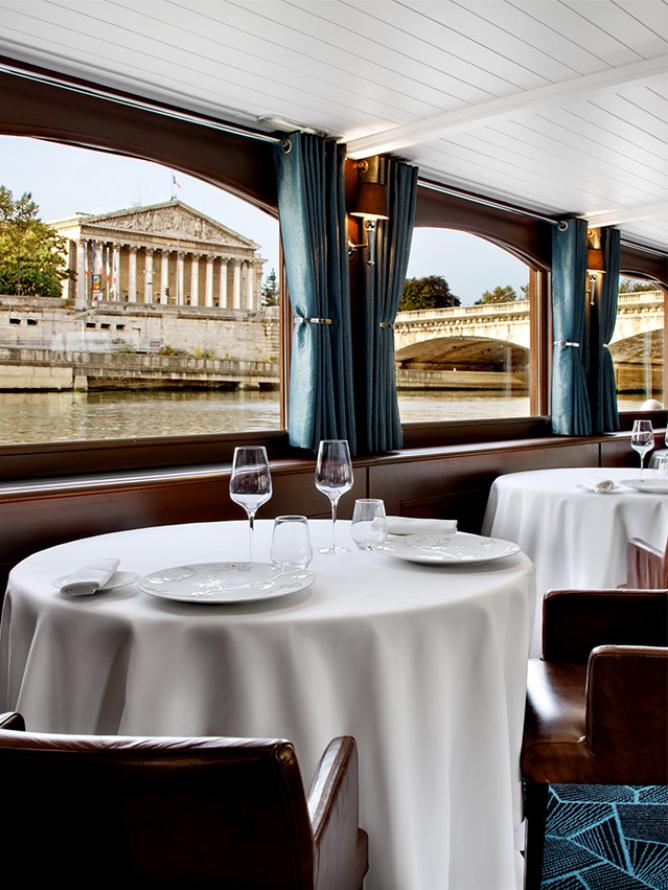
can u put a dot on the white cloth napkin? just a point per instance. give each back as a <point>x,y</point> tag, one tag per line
<point>406,525</point>
<point>90,578</point>
<point>597,485</point>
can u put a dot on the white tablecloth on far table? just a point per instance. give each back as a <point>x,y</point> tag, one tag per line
<point>425,666</point>
<point>575,538</point>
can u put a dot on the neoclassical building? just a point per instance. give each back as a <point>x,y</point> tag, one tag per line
<point>166,253</point>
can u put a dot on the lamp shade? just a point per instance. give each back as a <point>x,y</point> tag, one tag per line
<point>595,260</point>
<point>371,201</point>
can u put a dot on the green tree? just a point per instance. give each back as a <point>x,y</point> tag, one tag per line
<point>500,294</point>
<point>270,290</point>
<point>629,286</point>
<point>32,255</point>
<point>430,292</point>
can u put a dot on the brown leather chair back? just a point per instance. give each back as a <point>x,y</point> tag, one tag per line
<point>191,814</point>
<point>574,624</point>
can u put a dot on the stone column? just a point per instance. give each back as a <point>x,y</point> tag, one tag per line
<point>148,275</point>
<point>164,277</point>
<point>180,278</point>
<point>194,279</point>
<point>258,285</point>
<point>236,288</point>
<point>82,284</point>
<point>132,274</point>
<point>115,271</point>
<point>208,283</point>
<point>222,296</point>
<point>106,271</point>
<point>250,282</point>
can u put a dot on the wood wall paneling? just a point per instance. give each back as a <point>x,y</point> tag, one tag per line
<point>456,486</point>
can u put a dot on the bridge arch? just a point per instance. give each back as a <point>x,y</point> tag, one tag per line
<point>638,362</point>
<point>464,363</point>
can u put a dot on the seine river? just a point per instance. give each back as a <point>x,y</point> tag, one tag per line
<point>51,416</point>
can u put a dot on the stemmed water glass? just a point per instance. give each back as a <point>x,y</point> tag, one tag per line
<point>250,485</point>
<point>642,439</point>
<point>333,477</point>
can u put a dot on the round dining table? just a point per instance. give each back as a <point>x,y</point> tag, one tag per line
<point>576,537</point>
<point>424,665</point>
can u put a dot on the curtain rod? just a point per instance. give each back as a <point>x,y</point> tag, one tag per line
<point>490,202</point>
<point>140,104</point>
<point>635,246</point>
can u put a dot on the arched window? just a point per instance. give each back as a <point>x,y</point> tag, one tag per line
<point>463,332</point>
<point>135,300</point>
<point>637,343</point>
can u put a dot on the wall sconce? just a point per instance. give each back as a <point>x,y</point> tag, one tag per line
<point>595,266</point>
<point>371,205</point>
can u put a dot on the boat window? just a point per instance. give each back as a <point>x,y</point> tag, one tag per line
<point>462,335</point>
<point>637,344</point>
<point>153,300</point>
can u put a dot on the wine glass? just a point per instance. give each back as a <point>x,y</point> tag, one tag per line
<point>250,485</point>
<point>333,477</point>
<point>368,526</point>
<point>642,439</point>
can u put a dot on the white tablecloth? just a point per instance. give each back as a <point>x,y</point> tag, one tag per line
<point>575,538</point>
<point>425,666</point>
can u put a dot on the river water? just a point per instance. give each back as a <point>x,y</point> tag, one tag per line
<point>66,416</point>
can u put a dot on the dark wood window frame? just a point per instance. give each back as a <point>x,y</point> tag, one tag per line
<point>245,168</point>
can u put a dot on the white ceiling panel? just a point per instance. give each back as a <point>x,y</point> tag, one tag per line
<point>487,94</point>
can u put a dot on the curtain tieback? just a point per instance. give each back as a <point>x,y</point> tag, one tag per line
<point>567,343</point>
<point>300,319</point>
<point>605,345</point>
<point>385,325</point>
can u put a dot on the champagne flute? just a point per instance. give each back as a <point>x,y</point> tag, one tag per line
<point>642,439</point>
<point>250,485</point>
<point>333,477</point>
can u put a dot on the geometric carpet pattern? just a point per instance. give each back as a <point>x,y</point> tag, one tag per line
<point>606,837</point>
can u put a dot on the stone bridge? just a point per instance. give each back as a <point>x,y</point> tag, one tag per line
<point>480,343</point>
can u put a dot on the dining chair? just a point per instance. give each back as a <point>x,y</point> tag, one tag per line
<point>646,566</point>
<point>196,813</point>
<point>597,700</point>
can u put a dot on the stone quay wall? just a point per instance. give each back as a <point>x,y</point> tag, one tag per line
<point>24,369</point>
<point>230,334</point>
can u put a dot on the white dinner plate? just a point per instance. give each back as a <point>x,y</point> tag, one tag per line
<point>224,582</point>
<point>118,579</point>
<point>649,486</point>
<point>448,550</point>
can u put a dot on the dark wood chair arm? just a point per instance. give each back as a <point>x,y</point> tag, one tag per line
<point>626,708</point>
<point>575,621</point>
<point>12,720</point>
<point>334,808</point>
<point>646,566</point>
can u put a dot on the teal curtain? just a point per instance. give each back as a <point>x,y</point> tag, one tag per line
<point>312,215</point>
<point>379,426</point>
<point>605,418</point>
<point>571,413</point>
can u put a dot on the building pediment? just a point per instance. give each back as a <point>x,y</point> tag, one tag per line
<point>174,221</point>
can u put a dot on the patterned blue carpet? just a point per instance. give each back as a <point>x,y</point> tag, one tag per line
<point>606,837</point>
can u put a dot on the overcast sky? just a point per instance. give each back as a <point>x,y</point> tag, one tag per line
<point>64,180</point>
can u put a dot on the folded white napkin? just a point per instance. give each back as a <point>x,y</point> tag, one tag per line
<point>406,525</point>
<point>90,578</point>
<point>599,484</point>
